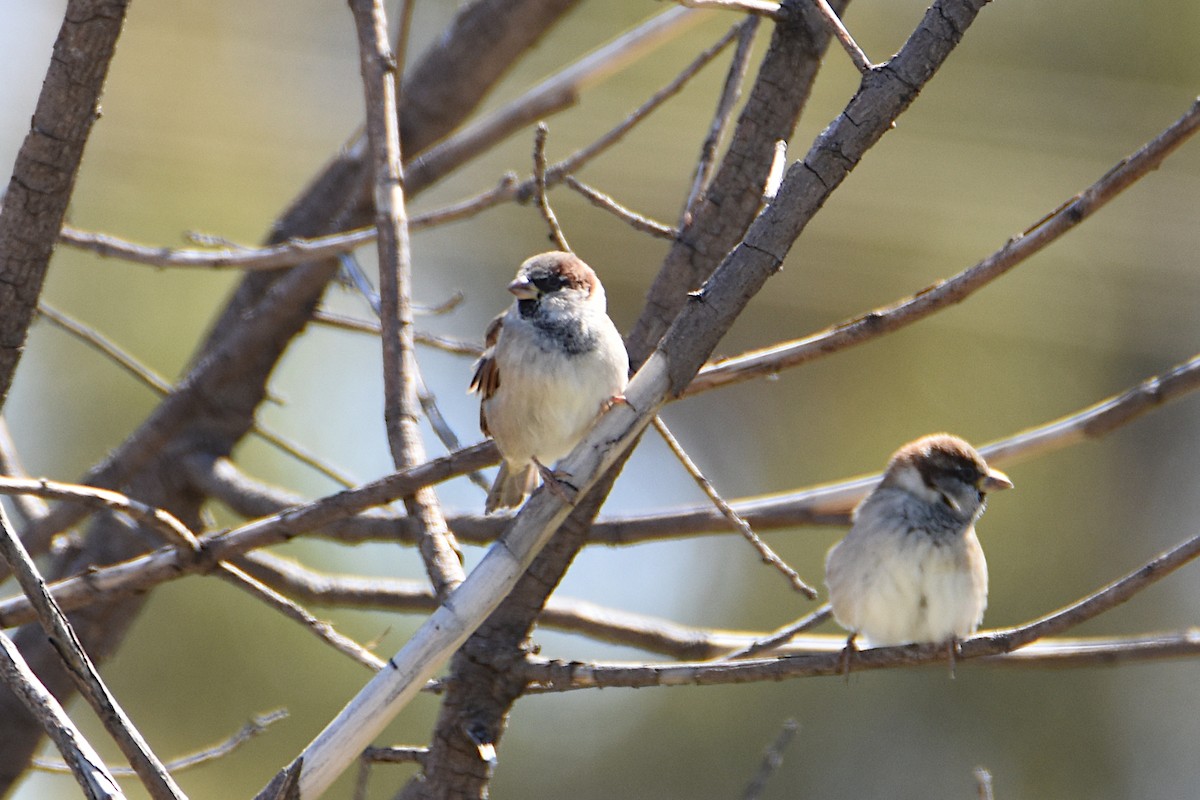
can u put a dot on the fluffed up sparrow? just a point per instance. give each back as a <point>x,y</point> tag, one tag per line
<point>553,362</point>
<point>911,569</point>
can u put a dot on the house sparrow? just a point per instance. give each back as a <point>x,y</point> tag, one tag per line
<point>911,569</point>
<point>553,362</point>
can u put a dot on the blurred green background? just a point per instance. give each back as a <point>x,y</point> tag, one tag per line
<point>218,113</point>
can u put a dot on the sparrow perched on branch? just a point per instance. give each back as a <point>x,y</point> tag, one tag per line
<point>911,568</point>
<point>553,362</point>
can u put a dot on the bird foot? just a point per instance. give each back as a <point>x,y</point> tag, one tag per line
<point>615,400</point>
<point>555,484</point>
<point>846,657</point>
<point>953,649</point>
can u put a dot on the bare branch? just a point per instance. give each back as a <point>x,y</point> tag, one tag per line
<point>148,377</point>
<point>437,545</point>
<point>876,323</point>
<point>631,218</point>
<point>997,645</point>
<point>163,565</point>
<point>539,181</point>
<point>772,760</point>
<point>367,326</point>
<point>322,630</point>
<point>28,507</point>
<point>169,528</point>
<point>834,22</point>
<point>778,638</point>
<point>721,119</point>
<point>286,254</point>
<point>556,93</point>
<point>762,8</point>
<point>150,770</point>
<point>510,189</point>
<point>86,765</point>
<point>251,729</point>
<point>767,555</point>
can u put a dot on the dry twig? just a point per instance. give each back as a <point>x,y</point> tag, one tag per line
<point>767,555</point>
<point>630,218</point>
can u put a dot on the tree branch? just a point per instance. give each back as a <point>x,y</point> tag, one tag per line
<point>401,404</point>
<point>47,164</point>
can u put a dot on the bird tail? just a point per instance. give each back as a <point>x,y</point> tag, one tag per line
<point>511,486</point>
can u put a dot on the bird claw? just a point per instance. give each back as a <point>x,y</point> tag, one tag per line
<point>615,400</point>
<point>555,484</point>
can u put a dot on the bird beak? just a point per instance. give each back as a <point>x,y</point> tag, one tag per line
<point>994,481</point>
<point>523,289</point>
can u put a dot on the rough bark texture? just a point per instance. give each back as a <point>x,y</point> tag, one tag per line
<point>44,174</point>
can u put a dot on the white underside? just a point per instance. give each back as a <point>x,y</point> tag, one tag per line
<point>545,412</point>
<point>897,586</point>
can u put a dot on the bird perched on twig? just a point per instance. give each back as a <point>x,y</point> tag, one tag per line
<point>552,363</point>
<point>911,569</point>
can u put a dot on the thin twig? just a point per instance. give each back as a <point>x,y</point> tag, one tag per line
<point>761,8</point>
<point>539,178</point>
<point>286,254</point>
<point>834,23</point>
<point>510,188</point>
<point>403,37</point>
<point>428,402</point>
<point>730,93</point>
<point>28,507</point>
<point>772,760</point>
<point>881,321</point>
<point>159,385</point>
<point>111,350</point>
<point>86,765</point>
<point>782,636</point>
<point>153,775</point>
<point>443,343</point>
<point>631,218</point>
<point>293,611</point>
<point>560,91</point>
<point>402,407</point>
<point>171,529</point>
<point>767,555</point>
<point>251,729</point>
<point>445,434</point>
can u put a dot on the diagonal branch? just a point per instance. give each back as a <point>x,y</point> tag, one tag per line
<point>1042,233</point>
<point>86,765</point>
<point>150,770</point>
<point>47,164</point>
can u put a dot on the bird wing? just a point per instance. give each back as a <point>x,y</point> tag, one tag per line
<point>486,379</point>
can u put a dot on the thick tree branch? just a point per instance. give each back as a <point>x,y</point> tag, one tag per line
<point>47,164</point>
